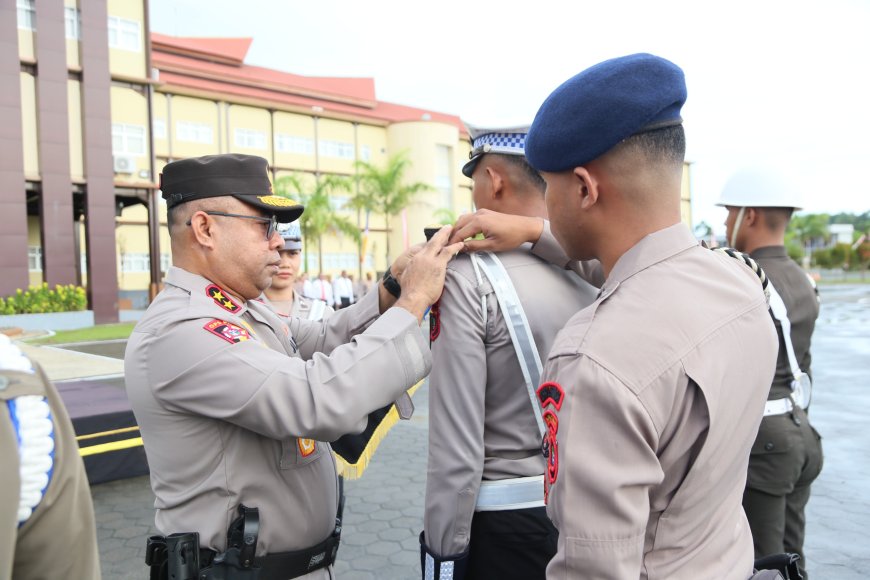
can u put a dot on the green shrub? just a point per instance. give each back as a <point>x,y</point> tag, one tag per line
<point>39,299</point>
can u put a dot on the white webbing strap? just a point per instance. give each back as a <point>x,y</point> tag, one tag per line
<point>518,326</point>
<point>777,307</point>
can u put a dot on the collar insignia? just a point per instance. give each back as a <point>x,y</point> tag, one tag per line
<point>221,298</point>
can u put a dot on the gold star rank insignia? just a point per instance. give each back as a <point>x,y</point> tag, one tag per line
<point>221,299</point>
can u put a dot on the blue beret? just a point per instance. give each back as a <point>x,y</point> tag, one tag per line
<point>593,111</point>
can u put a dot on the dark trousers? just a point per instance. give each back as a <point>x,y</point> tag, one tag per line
<point>513,544</point>
<point>786,458</point>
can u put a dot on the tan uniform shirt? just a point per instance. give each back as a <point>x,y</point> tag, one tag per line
<point>657,390</point>
<point>59,538</point>
<point>234,403</point>
<point>481,421</point>
<point>300,307</point>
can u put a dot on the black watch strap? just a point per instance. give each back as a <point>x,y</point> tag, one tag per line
<point>391,284</point>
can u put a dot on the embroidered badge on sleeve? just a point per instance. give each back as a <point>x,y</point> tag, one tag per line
<point>227,331</point>
<point>434,322</point>
<point>306,446</point>
<point>221,298</point>
<point>551,394</point>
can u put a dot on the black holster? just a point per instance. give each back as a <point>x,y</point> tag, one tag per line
<point>173,557</point>
<point>787,564</point>
<point>237,561</point>
<point>177,556</point>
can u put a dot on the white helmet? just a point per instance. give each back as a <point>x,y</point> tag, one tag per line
<point>755,187</point>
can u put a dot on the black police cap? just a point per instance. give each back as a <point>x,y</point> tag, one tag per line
<point>245,177</point>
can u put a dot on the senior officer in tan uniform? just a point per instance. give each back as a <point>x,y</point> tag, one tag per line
<point>281,295</point>
<point>787,455</point>
<point>654,393</point>
<point>234,403</point>
<point>485,515</point>
<point>47,527</point>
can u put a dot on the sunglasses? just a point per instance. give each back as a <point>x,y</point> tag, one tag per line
<point>272,221</point>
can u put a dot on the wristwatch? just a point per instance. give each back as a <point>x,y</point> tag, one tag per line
<point>391,284</point>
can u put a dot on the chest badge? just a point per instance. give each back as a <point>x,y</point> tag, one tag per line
<point>306,446</point>
<point>227,331</point>
<point>221,298</point>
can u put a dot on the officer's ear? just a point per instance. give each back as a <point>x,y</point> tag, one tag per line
<point>586,187</point>
<point>751,216</point>
<point>202,226</point>
<point>496,181</point>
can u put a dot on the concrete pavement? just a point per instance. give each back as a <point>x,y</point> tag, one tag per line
<point>384,509</point>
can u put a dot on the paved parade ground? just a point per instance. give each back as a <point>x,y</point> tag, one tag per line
<point>384,511</point>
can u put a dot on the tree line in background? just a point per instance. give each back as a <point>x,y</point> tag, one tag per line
<point>373,190</point>
<point>808,240</point>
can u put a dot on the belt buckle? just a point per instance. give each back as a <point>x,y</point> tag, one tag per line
<point>802,390</point>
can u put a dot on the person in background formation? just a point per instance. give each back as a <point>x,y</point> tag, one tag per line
<point>342,288</point>
<point>655,392</point>
<point>47,527</point>
<point>787,455</point>
<point>485,514</point>
<point>234,405</point>
<point>303,284</point>
<point>282,294</point>
<point>321,289</point>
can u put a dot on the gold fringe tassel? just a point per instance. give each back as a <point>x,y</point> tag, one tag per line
<point>355,470</point>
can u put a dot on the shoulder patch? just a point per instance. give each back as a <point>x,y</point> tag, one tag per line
<point>221,298</point>
<point>551,394</point>
<point>434,322</point>
<point>227,331</point>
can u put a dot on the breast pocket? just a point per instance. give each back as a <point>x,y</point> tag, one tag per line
<point>296,452</point>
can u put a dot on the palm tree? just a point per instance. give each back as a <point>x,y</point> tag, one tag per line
<point>383,190</point>
<point>319,216</point>
<point>809,229</point>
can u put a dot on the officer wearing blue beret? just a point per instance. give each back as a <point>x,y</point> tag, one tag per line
<point>654,392</point>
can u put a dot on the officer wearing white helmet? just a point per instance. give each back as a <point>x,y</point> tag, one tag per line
<point>787,454</point>
<point>281,295</point>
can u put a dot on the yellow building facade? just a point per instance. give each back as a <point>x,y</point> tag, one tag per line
<point>83,172</point>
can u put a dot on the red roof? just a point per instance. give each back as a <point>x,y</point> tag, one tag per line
<point>215,65</point>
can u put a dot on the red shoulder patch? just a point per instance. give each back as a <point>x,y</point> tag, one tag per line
<point>227,331</point>
<point>221,298</point>
<point>434,321</point>
<point>551,394</point>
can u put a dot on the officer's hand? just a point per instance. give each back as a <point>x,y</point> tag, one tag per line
<point>500,231</point>
<point>423,277</point>
<point>399,264</point>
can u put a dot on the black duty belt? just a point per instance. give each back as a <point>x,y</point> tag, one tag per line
<point>284,565</point>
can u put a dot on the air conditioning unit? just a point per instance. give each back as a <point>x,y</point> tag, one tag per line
<point>124,164</point>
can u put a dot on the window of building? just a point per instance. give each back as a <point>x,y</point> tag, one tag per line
<point>338,149</point>
<point>124,34</point>
<point>26,14</point>
<point>250,138</point>
<point>444,175</point>
<point>159,129</point>
<point>128,139</point>
<point>194,132</point>
<point>73,22</point>
<point>34,258</point>
<point>165,262</point>
<point>293,144</point>
<point>338,203</point>
<point>340,261</point>
<point>135,263</point>
<point>365,153</point>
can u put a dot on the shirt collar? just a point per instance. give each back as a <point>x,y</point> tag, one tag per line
<point>652,249</point>
<point>204,289</point>
<point>769,252</point>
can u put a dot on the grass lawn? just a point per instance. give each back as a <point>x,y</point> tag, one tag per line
<point>98,332</point>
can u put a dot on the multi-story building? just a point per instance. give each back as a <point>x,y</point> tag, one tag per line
<point>95,105</point>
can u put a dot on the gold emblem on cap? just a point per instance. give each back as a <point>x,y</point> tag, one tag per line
<point>277,200</point>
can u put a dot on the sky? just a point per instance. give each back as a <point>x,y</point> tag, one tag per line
<point>770,82</point>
